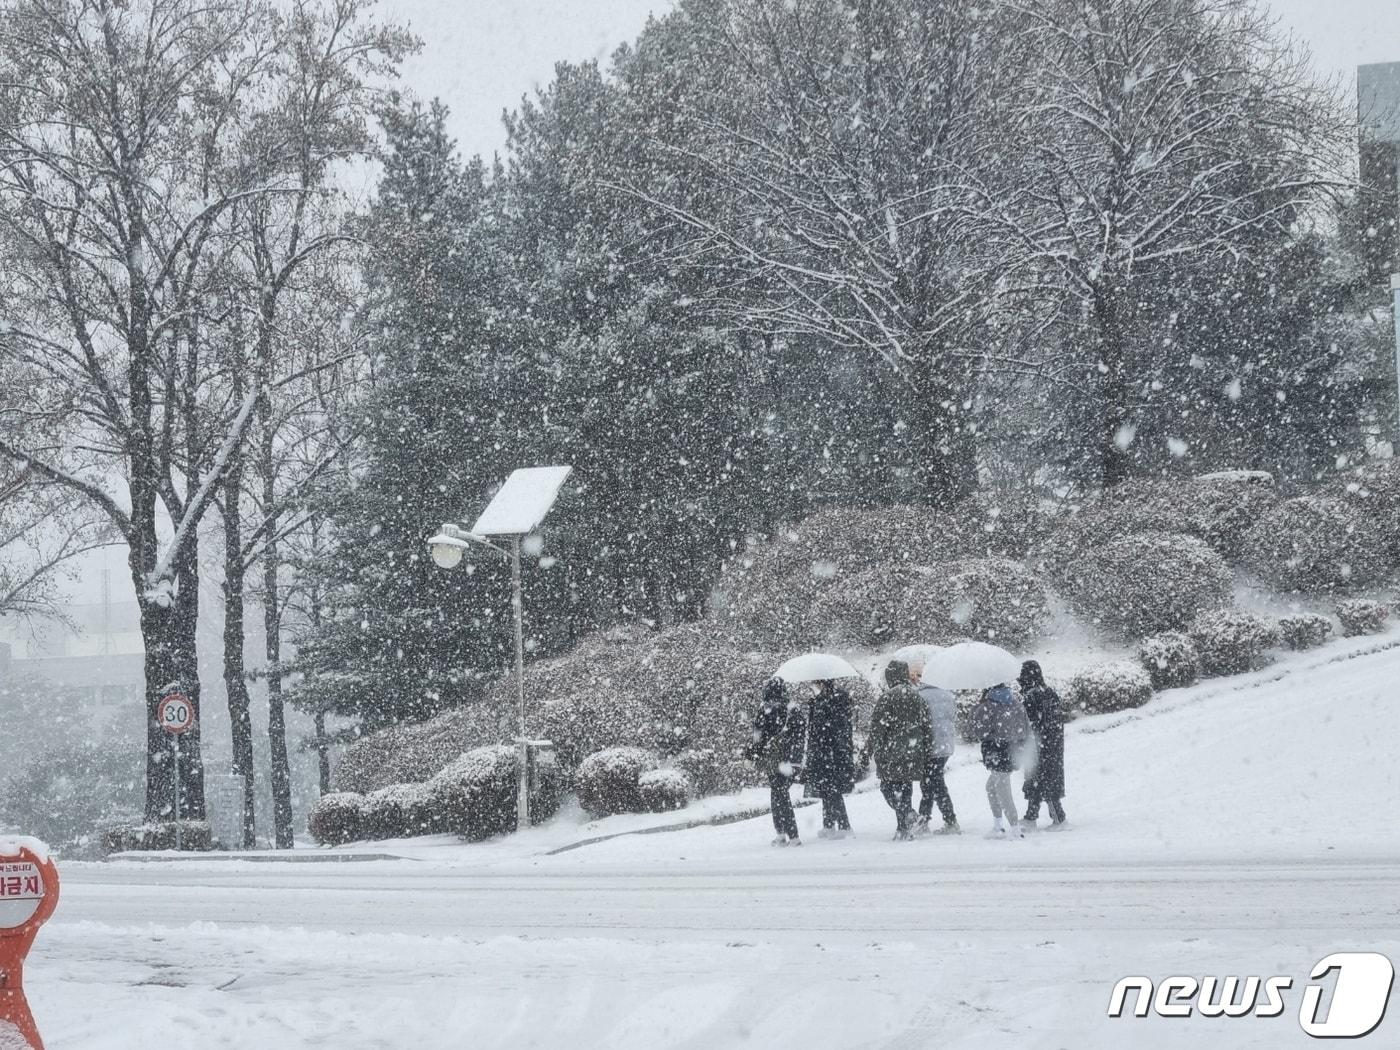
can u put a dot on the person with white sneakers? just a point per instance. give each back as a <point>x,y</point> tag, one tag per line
<point>1000,723</point>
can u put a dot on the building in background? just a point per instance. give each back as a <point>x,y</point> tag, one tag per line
<point>92,659</point>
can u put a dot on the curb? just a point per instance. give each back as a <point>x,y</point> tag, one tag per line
<point>270,857</point>
<point>724,818</point>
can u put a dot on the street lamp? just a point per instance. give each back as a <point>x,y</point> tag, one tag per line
<point>448,546</point>
<point>515,512</point>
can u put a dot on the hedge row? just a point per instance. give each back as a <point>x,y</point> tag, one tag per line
<point>474,796</point>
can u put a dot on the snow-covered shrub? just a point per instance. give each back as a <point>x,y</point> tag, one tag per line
<point>607,781</point>
<point>662,790</point>
<point>68,793</point>
<point>195,836</point>
<point>690,686</point>
<point>713,773</point>
<point>1374,490</point>
<point>1362,616</point>
<point>400,811</point>
<point>1304,630</point>
<point>1141,584</point>
<point>771,590</point>
<point>992,599</point>
<point>1231,642</point>
<point>1170,660</point>
<point>1109,687</point>
<point>414,752</point>
<point>735,774</point>
<point>338,818</point>
<point>866,609</point>
<point>1315,543</point>
<point>1222,507</point>
<point>1217,509</point>
<point>475,796</point>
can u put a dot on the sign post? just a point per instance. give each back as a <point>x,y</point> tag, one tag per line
<point>176,716</point>
<point>28,897</point>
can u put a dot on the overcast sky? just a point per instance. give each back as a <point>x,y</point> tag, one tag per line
<point>481,56</point>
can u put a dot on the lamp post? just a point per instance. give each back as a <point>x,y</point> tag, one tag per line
<point>515,512</point>
<point>448,548</point>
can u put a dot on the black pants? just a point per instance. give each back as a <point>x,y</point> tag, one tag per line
<point>784,819</point>
<point>834,811</point>
<point>899,794</point>
<point>935,789</point>
<point>1057,811</point>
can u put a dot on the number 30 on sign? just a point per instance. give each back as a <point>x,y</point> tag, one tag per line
<point>176,713</point>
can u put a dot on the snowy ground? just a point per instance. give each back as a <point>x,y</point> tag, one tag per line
<point>1240,827</point>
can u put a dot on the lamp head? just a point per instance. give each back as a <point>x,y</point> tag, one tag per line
<point>447,547</point>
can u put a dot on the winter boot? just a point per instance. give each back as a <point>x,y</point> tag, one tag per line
<point>948,829</point>
<point>921,826</point>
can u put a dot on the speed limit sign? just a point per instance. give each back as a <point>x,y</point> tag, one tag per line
<point>176,713</point>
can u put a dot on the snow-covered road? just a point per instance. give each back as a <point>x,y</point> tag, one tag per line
<point>841,897</point>
<point>1237,828</point>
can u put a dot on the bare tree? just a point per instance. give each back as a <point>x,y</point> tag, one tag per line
<point>847,140</point>
<point>295,251</point>
<point>41,532</point>
<point>1153,133</point>
<point>128,133</point>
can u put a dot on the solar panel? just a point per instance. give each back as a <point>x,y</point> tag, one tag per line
<point>522,502</point>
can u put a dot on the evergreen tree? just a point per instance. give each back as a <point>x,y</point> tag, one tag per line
<point>399,638</point>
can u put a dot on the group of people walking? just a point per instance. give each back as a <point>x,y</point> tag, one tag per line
<point>913,734</point>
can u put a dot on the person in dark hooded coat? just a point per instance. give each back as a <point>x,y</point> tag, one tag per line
<point>831,769</point>
<point>779,737</point>
<point>1045,781</point>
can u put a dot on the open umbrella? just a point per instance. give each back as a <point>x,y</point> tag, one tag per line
<point>971,665</point>
<point>915,654</point>
<point>815,667</point>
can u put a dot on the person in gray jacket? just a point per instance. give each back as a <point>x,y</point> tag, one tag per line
<point>943,711</point>
<point>1000,723</point>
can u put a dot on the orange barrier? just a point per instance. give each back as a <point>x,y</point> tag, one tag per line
<point>28,897</point>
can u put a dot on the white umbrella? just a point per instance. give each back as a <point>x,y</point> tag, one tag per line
<point>971,665</point>
<point>915,654</point>
<point>815,667</point>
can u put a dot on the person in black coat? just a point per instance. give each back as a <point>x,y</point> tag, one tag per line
<point>779,739</point>
<point>831,770</point>
<point>1046,782</point>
